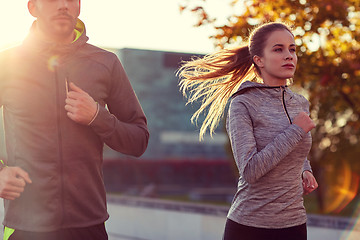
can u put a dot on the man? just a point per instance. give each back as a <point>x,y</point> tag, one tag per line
<point>54,90</point>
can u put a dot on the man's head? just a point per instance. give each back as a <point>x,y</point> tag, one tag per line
<point>56,19</point>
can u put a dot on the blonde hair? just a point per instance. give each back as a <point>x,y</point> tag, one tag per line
<point>214,78</point>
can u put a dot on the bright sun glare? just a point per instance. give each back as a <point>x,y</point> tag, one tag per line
<point>15,22</point>
<point>124,24</point>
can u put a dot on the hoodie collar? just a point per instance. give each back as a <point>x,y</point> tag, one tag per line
<point>35,44</point>
<point>79,30</point>
<point>250,84</point>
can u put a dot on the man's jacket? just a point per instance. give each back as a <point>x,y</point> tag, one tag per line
<point>64,158</point>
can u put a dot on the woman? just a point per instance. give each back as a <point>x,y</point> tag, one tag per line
<point>269,130</point>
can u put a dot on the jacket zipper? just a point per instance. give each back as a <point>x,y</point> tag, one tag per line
<point>58,113</point>
<point>283,103</point>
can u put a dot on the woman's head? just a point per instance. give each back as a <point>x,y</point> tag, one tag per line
<point>259,38</point>
<point>216,77</point>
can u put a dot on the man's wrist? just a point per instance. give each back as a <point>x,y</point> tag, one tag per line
<point>96,113</point>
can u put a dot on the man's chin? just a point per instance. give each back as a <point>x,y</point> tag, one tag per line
<point>63,35</point>
<point>63,29</point>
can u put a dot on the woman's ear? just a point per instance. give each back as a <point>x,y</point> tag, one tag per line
<point>258,61</point>
<point>32,8</point>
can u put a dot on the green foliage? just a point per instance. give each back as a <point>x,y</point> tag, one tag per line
<point>328,41</point>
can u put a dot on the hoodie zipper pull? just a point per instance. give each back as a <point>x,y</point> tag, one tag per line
<point>284,104</point>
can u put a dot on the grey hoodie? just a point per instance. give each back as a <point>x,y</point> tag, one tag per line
<point>270,153</point>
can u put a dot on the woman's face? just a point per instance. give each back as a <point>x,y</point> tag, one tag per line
<point>279,59</point>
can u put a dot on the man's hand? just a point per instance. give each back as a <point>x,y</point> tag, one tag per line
<point>80,106</point>
<point>12,182</point>
<point>309,182</point>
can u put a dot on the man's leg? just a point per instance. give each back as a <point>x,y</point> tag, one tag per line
<point>26,235</point>
<point>97,232</point>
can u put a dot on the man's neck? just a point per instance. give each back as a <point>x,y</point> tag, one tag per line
<point>55,39</point>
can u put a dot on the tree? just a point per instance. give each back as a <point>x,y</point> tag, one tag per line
<point>328,40</point>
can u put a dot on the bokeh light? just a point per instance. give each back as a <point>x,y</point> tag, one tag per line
<point>343,188</point>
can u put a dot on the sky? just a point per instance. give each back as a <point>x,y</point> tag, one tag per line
<point>142,24</point>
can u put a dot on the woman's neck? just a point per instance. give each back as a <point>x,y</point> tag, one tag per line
<point>274,82</point>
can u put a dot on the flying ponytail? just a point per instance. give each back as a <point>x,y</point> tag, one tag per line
<point>212,80</point>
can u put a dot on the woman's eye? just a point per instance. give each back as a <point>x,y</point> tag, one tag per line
<point>278,50</point>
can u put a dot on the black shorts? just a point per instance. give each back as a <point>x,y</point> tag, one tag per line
<point>97,232</point>
<point>236,231</point>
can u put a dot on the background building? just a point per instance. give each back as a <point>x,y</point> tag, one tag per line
<point>172,136</point>
<point>175,162</point>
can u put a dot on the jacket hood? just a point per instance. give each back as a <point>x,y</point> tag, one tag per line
<point>34,43</point>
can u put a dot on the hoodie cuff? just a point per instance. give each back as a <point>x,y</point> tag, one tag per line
<point>299,131</point>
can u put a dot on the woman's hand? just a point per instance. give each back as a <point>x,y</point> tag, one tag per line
<point>309,182</point>
<point>304,121</point>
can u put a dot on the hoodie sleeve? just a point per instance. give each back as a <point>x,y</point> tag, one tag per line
<point>307,166</point>
<point>254,164</point>
<point>124,126</point>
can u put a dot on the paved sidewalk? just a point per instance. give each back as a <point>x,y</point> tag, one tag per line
<point>120,237</point>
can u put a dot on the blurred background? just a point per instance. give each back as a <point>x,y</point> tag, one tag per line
<point>181,188</point>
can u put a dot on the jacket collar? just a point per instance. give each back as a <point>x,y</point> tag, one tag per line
<point>33,43</point>
<point>251,85</point>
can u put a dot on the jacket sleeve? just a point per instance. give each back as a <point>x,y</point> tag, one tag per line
<point>254,164</point>
<point>123,126</point>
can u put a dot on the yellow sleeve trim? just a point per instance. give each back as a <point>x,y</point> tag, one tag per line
<point>2,165</point>
<point>8,232</point>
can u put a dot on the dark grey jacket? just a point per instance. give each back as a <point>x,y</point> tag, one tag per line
<point>271,154</point>
<point>63,158</point>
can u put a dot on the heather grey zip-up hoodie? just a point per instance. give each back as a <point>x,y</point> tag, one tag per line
<point>270,153</point>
